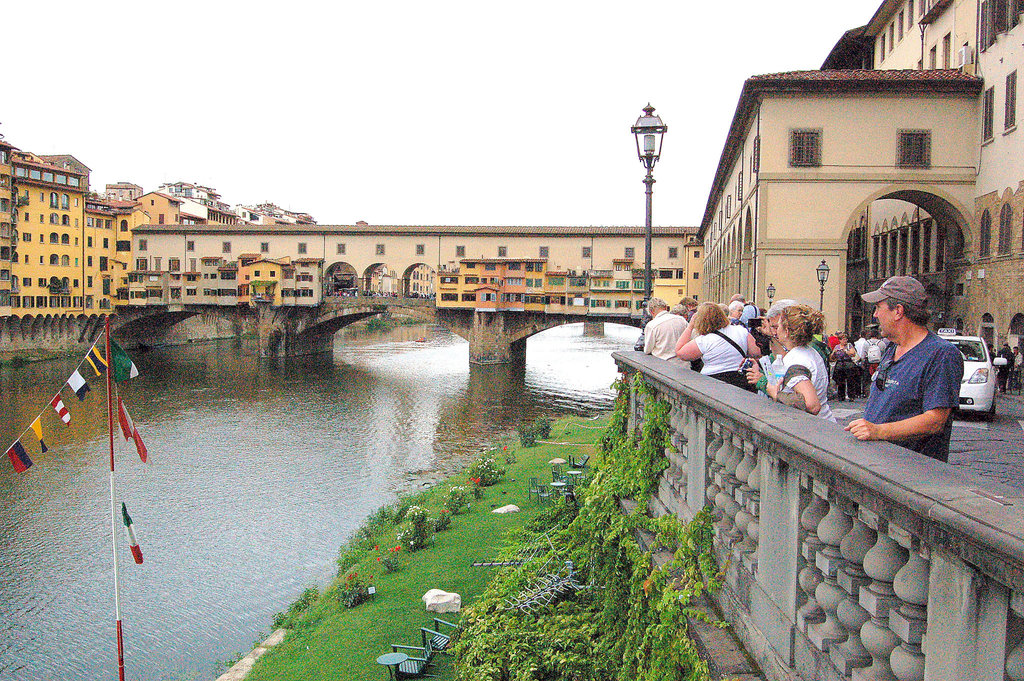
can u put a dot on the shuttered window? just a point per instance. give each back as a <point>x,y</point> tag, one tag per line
<point>1010,112</point>
<point>988,107</point>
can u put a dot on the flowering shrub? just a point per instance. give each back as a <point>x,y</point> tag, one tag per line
<point>456,500</point>
<point>416,533</point>
<point>487,470</point>
<point>354,590</point>
<point>476,489</point>
<point>389,558</point>
<point>443,520</point>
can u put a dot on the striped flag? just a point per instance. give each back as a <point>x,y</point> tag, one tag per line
<point>124,367</point>
<point>58,405</point>
<point>19,457</point>
<point>78,384</point>
<point>37,428</point>
<point>129,430</point>
<point>96,361</point>
<point>129,528</point>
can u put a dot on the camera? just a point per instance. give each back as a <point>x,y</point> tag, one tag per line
<point>747,364</point>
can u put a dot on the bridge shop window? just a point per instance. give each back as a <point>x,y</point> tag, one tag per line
<point>460,251</point>
<point>587,252</point>
<point>543,253</point>
<point>420,249</point>
<point>190,245</point>
<point>302,248</point>
<point>915,149</point>
<point>805,148</point>
<point>225,247</point>
<point>264,247</point>
<point>380,249</point>
<point>502,251</point>
<point>673,252</point>
<point>630,252</point>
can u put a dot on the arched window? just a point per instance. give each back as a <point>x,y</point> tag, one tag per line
<point>54,201</point>
<point>65,220</point>
<point>54,219</point>
<point>124,225</point>
<point>65,239</point>
<point>985,235</point>
<point>54,260</point>
<point>65,201</point>
<point>988,328</point>
<point>64,260</point>
<point>54,238</point>
<point>1005,221</point>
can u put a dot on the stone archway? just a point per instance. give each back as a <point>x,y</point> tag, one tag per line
<point>379,280</point>
<point>987,329</point>
<point>1015,337</point>
<point>417,281</point>
<point>341,279</point>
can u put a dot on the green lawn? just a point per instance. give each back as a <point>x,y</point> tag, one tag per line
<point>332,642</point>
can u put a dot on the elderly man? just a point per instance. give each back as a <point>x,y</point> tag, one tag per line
<point>663,331</point>
<point>735,313</point>
<point>917,385</point>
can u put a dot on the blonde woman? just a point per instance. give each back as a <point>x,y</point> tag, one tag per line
<point>722,346</point>
<point>804,384</point>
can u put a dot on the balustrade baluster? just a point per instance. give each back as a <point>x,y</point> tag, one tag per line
<point>727,483</point>
<point>851,653</point>
<point>748,473</point>
<point>1015,655</point>
<point>715,445</point>
<point>809,577</point>
<point>910,620</point>
<point>831,530</point>
<point>881,564</point>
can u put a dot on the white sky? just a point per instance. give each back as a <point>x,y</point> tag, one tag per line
<point>394,112</point>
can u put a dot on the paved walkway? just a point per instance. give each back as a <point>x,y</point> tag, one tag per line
<point>992,448</point>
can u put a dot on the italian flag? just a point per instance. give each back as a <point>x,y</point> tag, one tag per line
<point>129,529</point>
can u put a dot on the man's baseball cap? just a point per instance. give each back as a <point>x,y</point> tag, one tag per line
<point>906,290</point>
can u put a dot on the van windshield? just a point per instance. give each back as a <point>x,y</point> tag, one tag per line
<point>973,351</point>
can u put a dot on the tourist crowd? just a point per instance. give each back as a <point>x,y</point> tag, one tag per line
<point>910,375</point>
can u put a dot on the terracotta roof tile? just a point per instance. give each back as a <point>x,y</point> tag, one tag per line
<point>868,76</point>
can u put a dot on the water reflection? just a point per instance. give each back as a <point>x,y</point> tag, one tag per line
<point>259,470</point>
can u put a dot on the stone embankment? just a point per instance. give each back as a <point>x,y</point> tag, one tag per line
<point>240,669</point>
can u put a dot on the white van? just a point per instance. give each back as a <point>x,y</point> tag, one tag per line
<point>978,385</point>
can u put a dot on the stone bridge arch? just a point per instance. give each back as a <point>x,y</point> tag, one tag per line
<point>341,278</point>
<point>417,278</point>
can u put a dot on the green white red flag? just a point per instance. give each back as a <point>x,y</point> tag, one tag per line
<point>129,529</point>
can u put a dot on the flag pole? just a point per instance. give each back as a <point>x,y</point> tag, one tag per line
<point>113,515</point>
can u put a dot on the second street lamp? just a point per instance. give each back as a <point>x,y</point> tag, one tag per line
<point>822,271</point>
<point>649,132</point>
<point>771,294</point>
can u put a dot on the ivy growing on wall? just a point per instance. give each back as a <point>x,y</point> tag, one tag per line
<point>630,623</point>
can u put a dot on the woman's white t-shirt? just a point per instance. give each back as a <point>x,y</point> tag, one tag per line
<point>718,354</point>
<point>810,359</point>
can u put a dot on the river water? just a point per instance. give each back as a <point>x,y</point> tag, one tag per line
<point>259,470</point>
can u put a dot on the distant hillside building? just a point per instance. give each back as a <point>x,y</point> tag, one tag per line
<point>123,191</point>
<point>201,203</point>
<point>272,214</point>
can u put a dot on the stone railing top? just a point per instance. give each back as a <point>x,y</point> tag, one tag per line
<point>975,518</point>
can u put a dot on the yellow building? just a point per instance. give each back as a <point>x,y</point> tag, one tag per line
<point>9,284</point>
<point>51,265</point>
<point>679,276</point>
<point>107,233</point>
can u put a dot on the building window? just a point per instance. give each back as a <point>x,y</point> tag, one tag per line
<point>1005,222</point>
<point>630,252</point>
<point>302,248</point>
<point>190,245</point>
<point>174,264</point>
<point>739,188</point>
<point>264,247</point>
<point>985,235</point>
<point>899,25</point>
<point>141,264</point>
<point>341,249</point>
<point>1010,115</point>
<point>947,48</point>
<point>587,252</point>
<point>225,247</point>
<point>502,251</point>
<point>988,108</point>
<point>460,251</point>
<point>160,219</point>
<point>805,148</point>
<point>543,252</point>
<point>914,149</point>
<point>933,62</point>
<point>380,249</point>
<point>755,156</point>
<point>143,244</point>
<point>673,252</point>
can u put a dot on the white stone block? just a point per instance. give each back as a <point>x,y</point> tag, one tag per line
<point>511,508</point>
<point>437,600</point>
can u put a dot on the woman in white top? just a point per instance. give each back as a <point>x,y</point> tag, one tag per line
<point>722,346</point>
<point>805,383</point>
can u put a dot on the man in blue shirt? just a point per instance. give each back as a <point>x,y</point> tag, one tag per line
<point>917,384</point>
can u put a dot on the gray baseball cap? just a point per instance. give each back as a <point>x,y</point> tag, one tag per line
<point>906,290</point>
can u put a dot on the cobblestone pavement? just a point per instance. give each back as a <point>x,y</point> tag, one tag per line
<point>992,447</point>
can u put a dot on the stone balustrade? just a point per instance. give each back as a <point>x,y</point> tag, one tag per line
<point>842,559</point>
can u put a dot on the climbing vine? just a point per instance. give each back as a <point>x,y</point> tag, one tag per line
<point>630,623</point>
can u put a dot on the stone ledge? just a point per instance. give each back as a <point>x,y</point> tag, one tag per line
<point>242,668</point>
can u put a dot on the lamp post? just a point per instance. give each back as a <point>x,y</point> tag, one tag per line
<point>822,271</point>
<point>771,294</point>
<point>649,132</point>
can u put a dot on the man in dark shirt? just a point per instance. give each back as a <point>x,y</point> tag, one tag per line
<point>917,384</point>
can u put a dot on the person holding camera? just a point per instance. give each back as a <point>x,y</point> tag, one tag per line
<point>722,346</point>
<point>804,384</point>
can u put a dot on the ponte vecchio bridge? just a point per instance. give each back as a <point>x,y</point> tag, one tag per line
<point>494,286</point>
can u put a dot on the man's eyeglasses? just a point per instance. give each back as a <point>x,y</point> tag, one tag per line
<point>882,375</point>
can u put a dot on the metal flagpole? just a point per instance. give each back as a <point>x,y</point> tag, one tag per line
<point>113,514</point>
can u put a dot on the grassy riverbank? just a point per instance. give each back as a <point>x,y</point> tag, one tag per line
<point>328,641</point>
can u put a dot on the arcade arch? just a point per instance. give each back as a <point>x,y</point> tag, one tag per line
<point>341,279</point>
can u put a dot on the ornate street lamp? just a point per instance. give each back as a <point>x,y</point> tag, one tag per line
<point>822,271</point>
<point>771,294</point>
<point>649,132</point>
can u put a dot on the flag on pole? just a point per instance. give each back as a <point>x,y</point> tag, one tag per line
<point>78,384</point>
<point>129,529</point>
<point>96,361</point>
<point>19,457</point>
<point>129,430</point>
<point>37,427</point>
<point>124,367</point>
<point>58,405</point>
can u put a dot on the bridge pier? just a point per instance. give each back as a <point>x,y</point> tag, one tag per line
<point>593,329</point>
<point>279,332</point>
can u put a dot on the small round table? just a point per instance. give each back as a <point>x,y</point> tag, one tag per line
<point>575,474</point>
<point>391,661</point>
